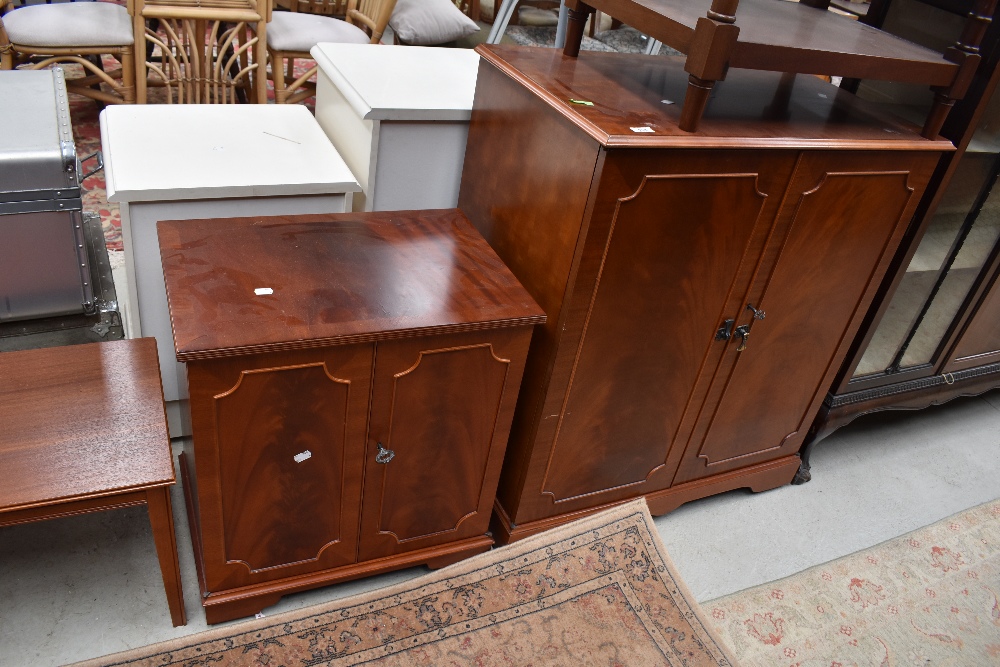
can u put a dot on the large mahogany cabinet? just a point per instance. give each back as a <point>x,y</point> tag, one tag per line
<point>933,332</point>
<point>701,288</point>
<point>352,381</point>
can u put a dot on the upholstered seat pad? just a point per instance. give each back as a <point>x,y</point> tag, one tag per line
<point>70,24</point>
<point>295,31</point>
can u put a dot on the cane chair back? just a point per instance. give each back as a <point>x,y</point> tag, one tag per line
<point>335,8</point>
<point>203,51</point>
<point>366,20</point>
<point>80,33</point>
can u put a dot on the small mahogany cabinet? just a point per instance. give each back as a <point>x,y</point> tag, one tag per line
<point>701,288</point>
<point>352,381</point>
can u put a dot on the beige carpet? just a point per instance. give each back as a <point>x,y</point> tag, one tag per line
<point>929,598</point>
<point>598,592</point>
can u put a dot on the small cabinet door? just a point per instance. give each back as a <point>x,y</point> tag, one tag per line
<point>279,441</point>
<point>440,417</point>
<point>841,219</point>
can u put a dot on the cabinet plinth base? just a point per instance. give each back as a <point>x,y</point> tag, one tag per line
<point>762,477</point>
<point>248,600</point>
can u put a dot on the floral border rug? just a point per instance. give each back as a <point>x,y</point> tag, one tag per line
<point>600,591</point>
<point>929,598</point>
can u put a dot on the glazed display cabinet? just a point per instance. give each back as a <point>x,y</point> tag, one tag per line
<point>933,334</point>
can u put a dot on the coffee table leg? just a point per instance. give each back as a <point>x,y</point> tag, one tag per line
<point>161,517</point>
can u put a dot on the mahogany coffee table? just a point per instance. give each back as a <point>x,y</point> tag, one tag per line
<point>82,429</point>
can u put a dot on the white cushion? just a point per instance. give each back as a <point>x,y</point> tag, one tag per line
<point>295,31</point>
<point>429,22</point>
<point>70,24</point>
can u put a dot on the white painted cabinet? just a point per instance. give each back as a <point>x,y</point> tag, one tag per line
<point>180,162</point>
<point>399,115</point>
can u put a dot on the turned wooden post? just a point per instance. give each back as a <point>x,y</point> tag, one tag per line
<point>715,37</point>
<point>576,13</point>
<point>965,53</point>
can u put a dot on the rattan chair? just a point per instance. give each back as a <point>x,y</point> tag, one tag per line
<point>38,36</point>
<point>336,8</point>
<point>291,34</point>
<point>203,51</point>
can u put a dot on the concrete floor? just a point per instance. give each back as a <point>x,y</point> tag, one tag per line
<point>86,586</point>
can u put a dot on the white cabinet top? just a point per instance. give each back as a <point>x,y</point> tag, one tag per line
<point>383,82</point>
<point>157,152</point>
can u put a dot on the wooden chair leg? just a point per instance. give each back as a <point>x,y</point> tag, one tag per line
<point>139,50</point>
<point>128,75</point>
<point>260,56</point>
<point>575,23</point>
<point>161,518</point>
<point>278,76</point>
<point>698,92</point>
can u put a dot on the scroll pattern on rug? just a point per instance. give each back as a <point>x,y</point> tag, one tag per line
<point>599,591</point>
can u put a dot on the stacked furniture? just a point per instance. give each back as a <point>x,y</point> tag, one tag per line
<point>176,162</point>
<point>352,383</point>
<point>399,115</point>
<point>795,37</point>
<point>932,333</point>
<point>702,289</point>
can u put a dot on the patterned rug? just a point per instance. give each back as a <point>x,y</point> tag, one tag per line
<point>931,597</point>
<point>597,592</point>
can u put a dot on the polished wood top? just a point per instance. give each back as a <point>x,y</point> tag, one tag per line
<point>81,421</point>
<point>749,109</point>
<point>790,36</point>
<point>246,285</point>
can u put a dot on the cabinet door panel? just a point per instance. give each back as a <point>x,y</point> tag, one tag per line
<point>670,266</point>
<point>442,405</point>
<point>278,439</point>
<point>841,218</point>
<point>980,342</point>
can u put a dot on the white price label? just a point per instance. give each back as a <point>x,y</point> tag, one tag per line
<point>642,129</point>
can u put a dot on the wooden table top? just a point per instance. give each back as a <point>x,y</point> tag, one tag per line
<point>750,109</point>
<point>81,421</point>
<point>248,285</point>
<point>789,36</point>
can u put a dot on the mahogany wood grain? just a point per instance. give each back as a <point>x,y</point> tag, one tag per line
<point>626,394</point>
<point>629,92</point>
<point>264,515</point>
<point>428,272</point>
<point>83,429</point>
<point>642,328</point>
<point>850,210</point>
<point>798,37</point>
<point>248,600</point>
<point>402,329</point>
<point>758,478</point>
<point>443,406</point>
